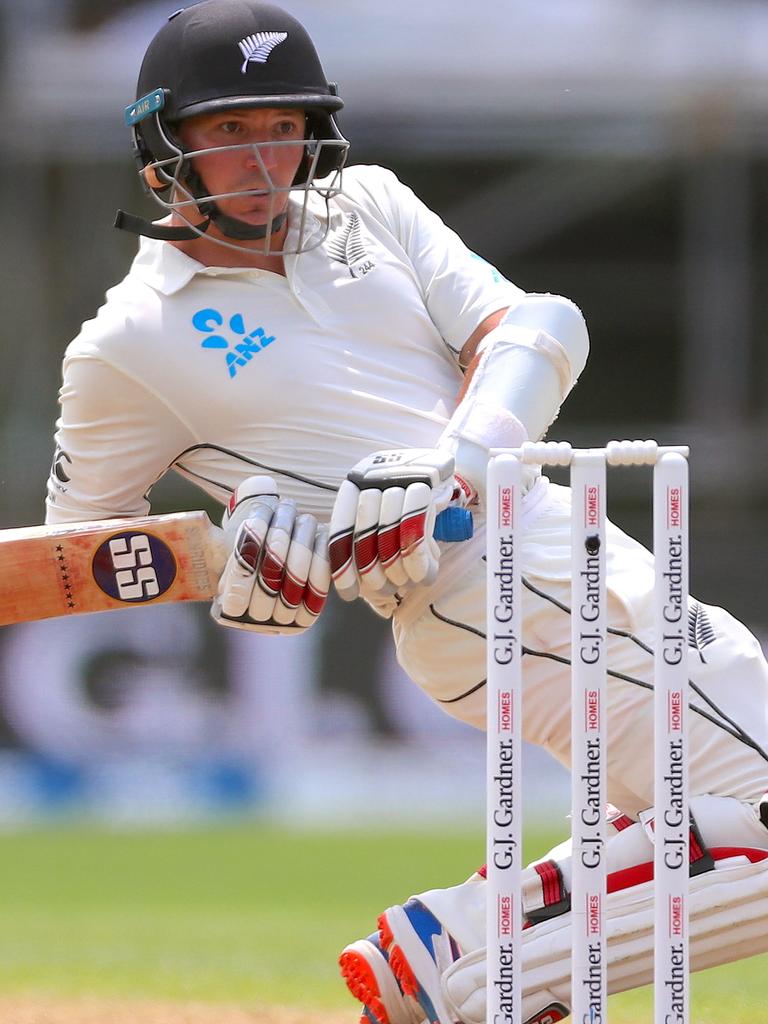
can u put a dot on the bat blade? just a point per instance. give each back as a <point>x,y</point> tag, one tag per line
<point>73,568</point>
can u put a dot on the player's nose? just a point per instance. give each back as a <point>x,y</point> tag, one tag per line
<point>261,156</point>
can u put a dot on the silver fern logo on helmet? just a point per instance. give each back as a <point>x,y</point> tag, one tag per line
<point>257,48</point>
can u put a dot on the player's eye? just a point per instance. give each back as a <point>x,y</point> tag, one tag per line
<point>287,129</point>
<point>230,127</point>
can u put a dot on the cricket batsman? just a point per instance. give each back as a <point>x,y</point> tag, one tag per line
<point>308,343</point>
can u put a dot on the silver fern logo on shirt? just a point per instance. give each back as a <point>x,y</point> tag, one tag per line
<point>346,246</point>
<point>257,48</point>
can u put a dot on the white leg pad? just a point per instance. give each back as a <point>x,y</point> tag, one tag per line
<point>728,911</point>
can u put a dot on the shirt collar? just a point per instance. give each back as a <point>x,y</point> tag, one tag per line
<point>164,267</point>
<point>167,269</point>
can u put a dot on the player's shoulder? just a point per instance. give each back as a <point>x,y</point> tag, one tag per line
<point>371,187</point>
<point>131,313</point>
<point>368,177</point>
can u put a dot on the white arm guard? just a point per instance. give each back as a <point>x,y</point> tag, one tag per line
<point>528,365</point>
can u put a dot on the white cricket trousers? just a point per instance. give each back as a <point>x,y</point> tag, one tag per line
<point>440,639</point>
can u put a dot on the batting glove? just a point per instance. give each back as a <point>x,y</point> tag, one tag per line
<point>277,577</point>
<point>384,517</point>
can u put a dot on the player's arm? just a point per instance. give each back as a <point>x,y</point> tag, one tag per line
<point>521,365</point>
<point>467,300</point>
<point>522,352</point>
<point>114,439</point>
<point>517,376</point>
<point>522,355</point>
<point>469,348</point>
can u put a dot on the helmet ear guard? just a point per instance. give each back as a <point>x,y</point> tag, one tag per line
<point>322,127</point>
<point>151,180</point>
<point>149,140</point>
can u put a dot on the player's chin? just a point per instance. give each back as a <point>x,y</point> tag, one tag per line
<point>257,214</point>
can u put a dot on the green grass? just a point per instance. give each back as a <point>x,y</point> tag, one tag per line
<point>245,914</point>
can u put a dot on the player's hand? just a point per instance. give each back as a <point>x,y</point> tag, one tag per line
<point>384,517</point>
<point>277,577</point>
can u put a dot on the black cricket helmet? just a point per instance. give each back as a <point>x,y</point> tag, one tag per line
<point>223,55</point>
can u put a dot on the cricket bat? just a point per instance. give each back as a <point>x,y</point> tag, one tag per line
<point>103,565</point>
<point>72,568</point>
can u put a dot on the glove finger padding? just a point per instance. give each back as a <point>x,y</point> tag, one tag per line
<point>271,570</point>
<point>237,581</point>
<point>277,577</point>
<point>318,581</point>
<point>389,535</point>
<point>263,488</point>
<point>366,543</point>
<point>383,520</point>
<point>341,544</point>
<point>420,554</point>
<point>296,573</point>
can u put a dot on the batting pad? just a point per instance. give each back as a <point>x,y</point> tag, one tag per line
<point>728,908</point>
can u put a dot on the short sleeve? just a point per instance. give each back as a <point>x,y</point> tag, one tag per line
<point>459,287</point>
<point>114,439</point>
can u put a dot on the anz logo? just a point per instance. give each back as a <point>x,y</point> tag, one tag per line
<point>239,350</point>
<point>132,566</point>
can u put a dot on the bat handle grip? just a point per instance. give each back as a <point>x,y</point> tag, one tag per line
<point>453,524</point>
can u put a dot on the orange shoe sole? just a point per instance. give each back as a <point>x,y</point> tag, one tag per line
<point>361,982</point>
<point>397,961</point>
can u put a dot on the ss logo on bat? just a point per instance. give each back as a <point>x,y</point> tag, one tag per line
<point>132,561</point>
<point>134,567</point>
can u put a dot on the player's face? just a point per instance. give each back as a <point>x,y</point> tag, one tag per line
<point>269,148</point>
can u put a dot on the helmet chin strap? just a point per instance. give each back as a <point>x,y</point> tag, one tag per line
<point>164,232</point>
<point>231,227</point>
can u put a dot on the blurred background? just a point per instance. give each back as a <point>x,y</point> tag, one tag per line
<point>614,151</point>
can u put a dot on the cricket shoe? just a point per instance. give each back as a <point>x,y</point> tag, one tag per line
<point>419,951</point>
<point>366,970</point>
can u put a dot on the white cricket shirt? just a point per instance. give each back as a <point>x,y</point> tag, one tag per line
<point>220,373</point>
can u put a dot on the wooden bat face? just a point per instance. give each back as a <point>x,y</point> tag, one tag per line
<point>73,568</point>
